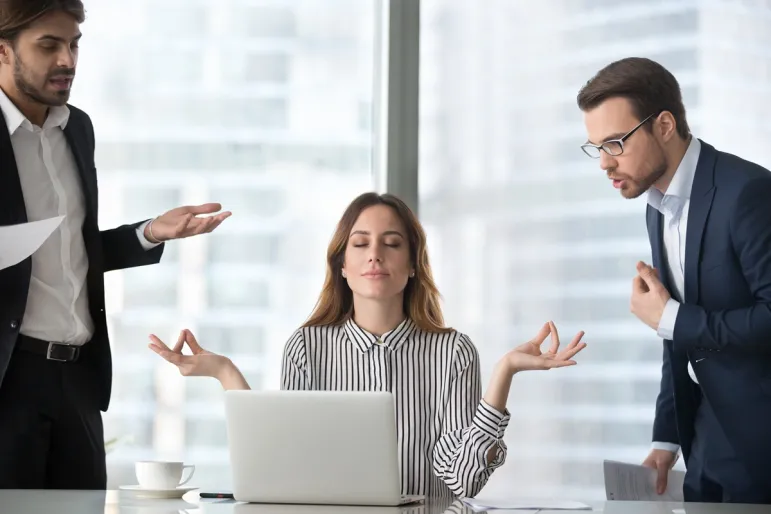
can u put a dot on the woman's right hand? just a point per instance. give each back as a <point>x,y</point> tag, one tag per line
<point>201,363</point>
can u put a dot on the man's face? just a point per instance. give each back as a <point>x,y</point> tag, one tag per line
<point>643,160</point>
<point>43,58</point>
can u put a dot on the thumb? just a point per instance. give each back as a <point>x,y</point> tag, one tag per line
<point>192,342</point>
<point>661,479</point>
<point>648,274</point>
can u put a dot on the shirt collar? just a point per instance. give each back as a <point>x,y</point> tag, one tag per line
<point>57,116</point>
<point>392,340</point>
<point>679,190</point>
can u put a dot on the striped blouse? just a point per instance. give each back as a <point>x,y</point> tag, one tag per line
<point>445,429</point>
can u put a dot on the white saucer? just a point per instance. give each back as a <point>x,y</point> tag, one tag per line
<point>158,493</point>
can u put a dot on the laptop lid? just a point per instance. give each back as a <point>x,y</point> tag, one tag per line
<point>318,447</point>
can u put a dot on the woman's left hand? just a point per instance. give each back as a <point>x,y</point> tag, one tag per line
<point>528,356</point>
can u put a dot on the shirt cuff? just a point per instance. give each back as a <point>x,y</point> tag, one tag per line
<point>490,420</point>
<point>671,447</point>
<point>147,245</point>
<point>668,317</point>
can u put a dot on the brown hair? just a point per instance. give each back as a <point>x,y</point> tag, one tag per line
<point>17,15</point>
<point>421,297</point>
<point>649,87</point>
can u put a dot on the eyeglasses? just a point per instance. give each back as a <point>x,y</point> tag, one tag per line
<point>613,147</point>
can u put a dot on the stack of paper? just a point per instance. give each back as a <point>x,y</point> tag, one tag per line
<point>17,242</point>
<point>631,482</point>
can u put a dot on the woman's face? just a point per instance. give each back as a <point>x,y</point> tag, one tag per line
<point>377,257</point>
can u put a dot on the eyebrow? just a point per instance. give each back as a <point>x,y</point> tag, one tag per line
<point>615,135</point>
<point>51,37</point>
<point>386,233</point>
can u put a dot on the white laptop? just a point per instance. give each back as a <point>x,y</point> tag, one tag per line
<point>314,447</point>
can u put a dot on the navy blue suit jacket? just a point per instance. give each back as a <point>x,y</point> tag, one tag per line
<point>724,324</point>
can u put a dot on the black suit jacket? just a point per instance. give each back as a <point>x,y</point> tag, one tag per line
<point>723,326</point>
<point>107,250</point>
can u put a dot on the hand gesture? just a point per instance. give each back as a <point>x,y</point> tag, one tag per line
<point>201,363</point>
<point>529,356</point>
<point>649,296</point>
<point>184,222</point>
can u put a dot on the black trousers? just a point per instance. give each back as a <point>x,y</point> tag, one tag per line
<point>714,473</point>
<point>51,434</point>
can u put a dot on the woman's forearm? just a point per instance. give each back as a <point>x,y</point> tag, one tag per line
<point>231,378</point>
<point>497,393</point>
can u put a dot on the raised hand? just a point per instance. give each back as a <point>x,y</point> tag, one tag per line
<point>528,356</point>
<point>184,222</point>
<point>201,363</point>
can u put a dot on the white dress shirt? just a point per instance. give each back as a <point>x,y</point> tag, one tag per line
<point>674,207</point>
<point>57,304</point>
<point>444,427</point>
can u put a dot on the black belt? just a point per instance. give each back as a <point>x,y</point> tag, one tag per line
<point>52,351</point>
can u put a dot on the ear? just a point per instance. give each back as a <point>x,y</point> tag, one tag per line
<point>6,52</point>
<point>667,126</point>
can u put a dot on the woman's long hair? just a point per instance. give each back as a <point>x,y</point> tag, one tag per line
<point>421,297</point>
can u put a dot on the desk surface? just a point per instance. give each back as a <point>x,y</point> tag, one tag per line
<point>122,502</point>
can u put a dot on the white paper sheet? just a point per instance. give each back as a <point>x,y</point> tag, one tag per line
<point>17,242</point>
<point>534,505</point>
<point>632,482</point>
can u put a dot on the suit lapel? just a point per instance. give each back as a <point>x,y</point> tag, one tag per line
<point>702,193</point>
<point>12,207</point>
<point>655,234</point>
<point>74,135</point>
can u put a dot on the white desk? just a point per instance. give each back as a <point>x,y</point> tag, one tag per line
<point>121,502</point>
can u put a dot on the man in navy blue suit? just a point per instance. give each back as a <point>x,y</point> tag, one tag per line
<point>708,293</point>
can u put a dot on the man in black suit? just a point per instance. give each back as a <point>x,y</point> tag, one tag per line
<point>55,363</point>
<point>708,293</point>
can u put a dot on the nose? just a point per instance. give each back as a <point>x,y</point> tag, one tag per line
<point>607,161</point>
<point>376,253</point>
<point>66,58</point>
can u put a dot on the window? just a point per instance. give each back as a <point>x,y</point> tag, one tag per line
<point>196,101</point>
<point>523,229</point>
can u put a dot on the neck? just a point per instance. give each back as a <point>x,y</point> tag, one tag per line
<point>674,155</point>
<point>378,317</point>
<point>34,111</point>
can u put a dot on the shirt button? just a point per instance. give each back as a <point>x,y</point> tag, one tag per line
<point>379,341</point>
<point>14,324</point>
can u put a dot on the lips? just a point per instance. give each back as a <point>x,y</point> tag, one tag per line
<point>61,82</point>
<point>375,274</point>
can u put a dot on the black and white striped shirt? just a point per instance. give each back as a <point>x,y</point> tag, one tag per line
<point>445,429</point>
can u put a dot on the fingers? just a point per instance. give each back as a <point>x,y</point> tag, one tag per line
<point>555,338</point>
<point>639,285</point>
<point>180,342</point>
<point>175,358</point>
<point>569,353</point>
<point>156,341</point>
<point>540,337</point>
<point>192,342</point>
<point>206,208</point>
<point>648,275</point>
<point>661,477</point>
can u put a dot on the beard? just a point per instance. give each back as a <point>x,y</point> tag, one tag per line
<point>635,188</point>
<point>36,94</point>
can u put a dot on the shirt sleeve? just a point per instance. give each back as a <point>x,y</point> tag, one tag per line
<point>294,368</point>
<point>146,244</point>
<point>666,328</point>
<point>470,428</point>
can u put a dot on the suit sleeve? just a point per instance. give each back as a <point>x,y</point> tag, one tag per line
<point>121,249</point>
<point>665,422</point>
<point>748,327</point>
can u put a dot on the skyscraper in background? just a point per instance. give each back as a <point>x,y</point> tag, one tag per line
<point>523,228</point>
<point>262,105</point>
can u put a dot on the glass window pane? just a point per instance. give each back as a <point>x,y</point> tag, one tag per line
<point>263,107</point>
<point>524,228</point>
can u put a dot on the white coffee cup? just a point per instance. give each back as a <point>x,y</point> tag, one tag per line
<point>161,475</point>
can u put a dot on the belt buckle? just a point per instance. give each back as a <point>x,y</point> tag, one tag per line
<point>51,346</point>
